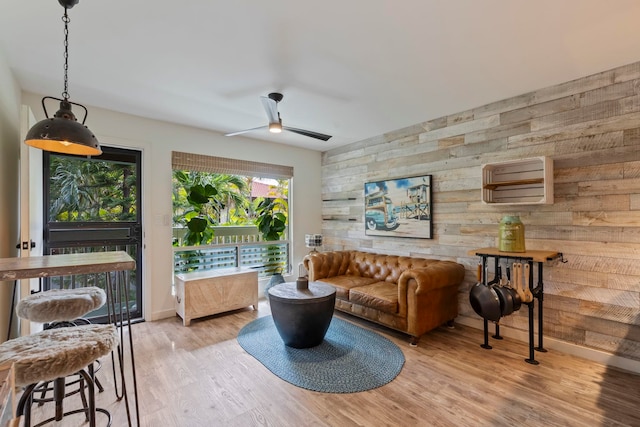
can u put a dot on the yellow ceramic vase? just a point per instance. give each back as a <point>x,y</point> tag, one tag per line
<point>511,234</point>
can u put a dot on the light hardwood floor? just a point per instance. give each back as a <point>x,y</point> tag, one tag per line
<point>200,376</point>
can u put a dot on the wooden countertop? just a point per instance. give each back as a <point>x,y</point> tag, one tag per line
<point>538,256</point>
<point>63,265</point>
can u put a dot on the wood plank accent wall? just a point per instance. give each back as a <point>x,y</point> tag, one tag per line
<point>590,127</point>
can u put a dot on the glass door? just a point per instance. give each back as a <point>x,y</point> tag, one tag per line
<point>92,204</point>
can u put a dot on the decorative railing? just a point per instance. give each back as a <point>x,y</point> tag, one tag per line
<point>97,279</point>
<point>266,257</point>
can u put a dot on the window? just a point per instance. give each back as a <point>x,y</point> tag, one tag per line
<point>230,213</point>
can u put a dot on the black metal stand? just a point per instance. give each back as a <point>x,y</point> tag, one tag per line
<point>538,294</point>
<point>486,336</point>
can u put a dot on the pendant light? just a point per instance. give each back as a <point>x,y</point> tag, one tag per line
<point>62,133</point>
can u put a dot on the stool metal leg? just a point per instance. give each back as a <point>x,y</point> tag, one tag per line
<point>92,396</point>
<point>99,385</point>
<point>26,402</point>
<point>58,397</point>
<point>44,387</point>
<point>85,405</point>
<point>91,411</point>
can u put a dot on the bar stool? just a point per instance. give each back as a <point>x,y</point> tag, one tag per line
<point>64,306</point>
<point>59,308</point>
<point>58,353</point>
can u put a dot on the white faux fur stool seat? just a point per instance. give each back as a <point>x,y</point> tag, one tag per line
<point>55,353</point>
<point>59,305</point>
<point>59,308</point>
<point>52,355</point>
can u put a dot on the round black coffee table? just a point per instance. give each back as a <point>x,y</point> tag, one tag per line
<point>302,316</point>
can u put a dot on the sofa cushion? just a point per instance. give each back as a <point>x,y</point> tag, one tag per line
<point>382,296</point>
<point>344,284</point>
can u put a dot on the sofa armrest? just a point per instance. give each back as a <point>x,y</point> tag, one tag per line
<point>321,265</point>
<point>437,275</point>
<point>422,281</point>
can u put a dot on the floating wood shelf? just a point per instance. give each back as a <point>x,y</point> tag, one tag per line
<point>333,218</point>
<point>518,182</point>
<point>494,185</point>
<point>339,199</point>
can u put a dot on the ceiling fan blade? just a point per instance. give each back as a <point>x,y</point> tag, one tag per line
<point>245,131</point>
<point>312,134</point>
<point>271,107</point>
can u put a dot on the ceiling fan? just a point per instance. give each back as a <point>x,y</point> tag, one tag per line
<point>270,104</point>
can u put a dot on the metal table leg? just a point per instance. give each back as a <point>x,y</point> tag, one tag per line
<point>120,315</point>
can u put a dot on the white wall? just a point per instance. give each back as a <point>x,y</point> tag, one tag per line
<point>9,173</point>
<point>157,140</point>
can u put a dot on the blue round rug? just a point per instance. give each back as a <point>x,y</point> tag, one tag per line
<point>349,360</point>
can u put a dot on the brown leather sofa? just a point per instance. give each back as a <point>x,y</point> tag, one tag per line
<point>411,295</point>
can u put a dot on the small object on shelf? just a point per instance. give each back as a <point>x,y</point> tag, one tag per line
<point>527,284</point>
<point>519,287</point>
<point>302,283</point>
<point>485,301</point>
<point>511,234</point>
<point>313,241</point>
<point>518,182</point>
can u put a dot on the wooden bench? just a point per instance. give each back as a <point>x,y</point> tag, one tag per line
<point>203,293</point>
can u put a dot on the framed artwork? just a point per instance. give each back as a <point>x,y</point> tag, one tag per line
<point>398,207</point>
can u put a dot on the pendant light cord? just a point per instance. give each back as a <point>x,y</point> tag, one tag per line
<point>66,20</point>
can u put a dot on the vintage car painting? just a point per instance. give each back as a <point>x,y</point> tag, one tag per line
<point>399,207</point>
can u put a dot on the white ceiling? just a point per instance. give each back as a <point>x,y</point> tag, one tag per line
<point>349,68</point>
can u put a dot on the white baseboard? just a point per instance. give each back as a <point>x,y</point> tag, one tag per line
<point>164,314</point>
<point>598,356</point>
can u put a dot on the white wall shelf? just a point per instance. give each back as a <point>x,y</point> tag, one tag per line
<point>518,182</point>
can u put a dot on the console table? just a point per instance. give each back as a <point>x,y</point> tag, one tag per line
<point>531,257</point>
<point>119,263</point>
<point>203,293</point>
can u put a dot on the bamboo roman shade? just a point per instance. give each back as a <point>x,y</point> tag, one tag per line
<point>213,164</point>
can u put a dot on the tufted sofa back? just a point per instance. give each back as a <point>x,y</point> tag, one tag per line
<point>363,264</point>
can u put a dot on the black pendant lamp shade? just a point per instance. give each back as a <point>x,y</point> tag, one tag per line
<point>62,133</point>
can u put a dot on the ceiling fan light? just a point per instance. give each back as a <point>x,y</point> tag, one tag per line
<point>275,127</point>
<point>270,104</point>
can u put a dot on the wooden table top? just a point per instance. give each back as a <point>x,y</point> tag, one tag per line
<point>538,256</point>
<point>220,272</point>
<point>314,293</point>
<point>64,265</point>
